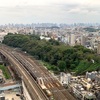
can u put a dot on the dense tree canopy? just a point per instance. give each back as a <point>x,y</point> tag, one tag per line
<point>62,56</point>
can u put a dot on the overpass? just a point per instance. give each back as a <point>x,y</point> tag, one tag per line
<point>10,87</point>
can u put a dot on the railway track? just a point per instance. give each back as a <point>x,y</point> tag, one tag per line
<point>34,89</point>
<point>38,71</point>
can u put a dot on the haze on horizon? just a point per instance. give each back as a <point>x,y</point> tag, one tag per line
<point>49,11</point>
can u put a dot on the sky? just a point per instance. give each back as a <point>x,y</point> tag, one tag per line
<point>49,11</point>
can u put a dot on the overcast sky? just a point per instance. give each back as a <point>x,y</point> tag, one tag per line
<point>52,11</point>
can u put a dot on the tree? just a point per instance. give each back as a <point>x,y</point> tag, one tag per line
<point>54,52</point>
<point>61,65</point>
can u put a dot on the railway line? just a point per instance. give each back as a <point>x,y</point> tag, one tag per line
<point>40,74</point>
<point>59,92</point>
<point>34,90</point>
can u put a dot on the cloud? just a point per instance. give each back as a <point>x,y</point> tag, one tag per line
<point>46,2</point>
<point>59,11</point>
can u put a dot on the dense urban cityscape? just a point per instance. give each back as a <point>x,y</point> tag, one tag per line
<point>82,86</point>
<point>49,49</point>
<point>76,34</point>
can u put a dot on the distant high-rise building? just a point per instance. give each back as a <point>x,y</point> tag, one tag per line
<point>72,39</point>
<point>98,48</point>
<point>83,40</point>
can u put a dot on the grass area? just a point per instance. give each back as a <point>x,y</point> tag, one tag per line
<point>50,67</point>
<point>85,66</point>
<point>5,71</point>
<point>82,68</point>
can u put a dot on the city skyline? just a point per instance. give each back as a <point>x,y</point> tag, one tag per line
<point>49,11</point>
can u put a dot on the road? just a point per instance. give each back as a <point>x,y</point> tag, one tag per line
<point>38,71</point>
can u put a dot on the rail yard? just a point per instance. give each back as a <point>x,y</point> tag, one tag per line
<point>41,84</point>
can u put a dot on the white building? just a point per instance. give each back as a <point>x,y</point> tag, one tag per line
<point>2,34</point>
<point>91,75</point>
<point>46,38</point>
<point>65,78</point>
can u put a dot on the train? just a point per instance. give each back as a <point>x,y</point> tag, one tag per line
<point>47,91</point>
